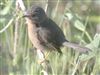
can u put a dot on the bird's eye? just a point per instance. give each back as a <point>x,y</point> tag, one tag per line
<point>37,10</point>
<point>33,15</point>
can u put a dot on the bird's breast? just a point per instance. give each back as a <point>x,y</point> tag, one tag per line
<point>32,33</point>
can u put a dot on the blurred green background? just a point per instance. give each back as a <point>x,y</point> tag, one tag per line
<point>80,22</point>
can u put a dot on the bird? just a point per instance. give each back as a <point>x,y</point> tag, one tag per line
<point>44,33</point>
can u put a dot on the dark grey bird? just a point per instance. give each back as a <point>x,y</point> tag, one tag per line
<point>44,33</point>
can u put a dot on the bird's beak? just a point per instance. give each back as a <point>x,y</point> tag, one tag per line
<point>26,15</point>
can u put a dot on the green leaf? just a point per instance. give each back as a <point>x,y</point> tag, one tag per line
<point>69,16</point>
<point>6,8</point>
<point>95,43</point>
<point>79,25</point>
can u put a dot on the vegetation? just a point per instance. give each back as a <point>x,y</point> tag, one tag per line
<point>80,22</point>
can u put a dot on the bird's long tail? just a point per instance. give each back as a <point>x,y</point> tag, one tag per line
<point>76,47</point>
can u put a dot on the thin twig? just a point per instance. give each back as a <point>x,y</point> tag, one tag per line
<point>56,8</point>
<point>16,30</point>
<point>9,23</point>
<point>46,6</point>
<point>15,37</point>
<point>20,2</point>
<point>76,67</point>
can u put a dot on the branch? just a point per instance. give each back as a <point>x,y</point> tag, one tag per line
<point>21,5</point>
<point>9,23</point>
<point>16,30</point>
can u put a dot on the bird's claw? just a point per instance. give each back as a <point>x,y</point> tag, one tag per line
<point>41,61</point>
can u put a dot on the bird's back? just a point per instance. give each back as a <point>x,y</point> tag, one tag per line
<point>55,33</point>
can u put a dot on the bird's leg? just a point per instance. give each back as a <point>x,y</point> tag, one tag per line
<point>44,63</point>
<point>41,56</point>
<point>47,54</point>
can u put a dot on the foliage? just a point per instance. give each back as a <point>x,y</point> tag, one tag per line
<point>77,19</point>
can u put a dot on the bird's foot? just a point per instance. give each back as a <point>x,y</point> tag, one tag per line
<point>41,61</point>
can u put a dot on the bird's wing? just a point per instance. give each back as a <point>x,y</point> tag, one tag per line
<point>46,37</point>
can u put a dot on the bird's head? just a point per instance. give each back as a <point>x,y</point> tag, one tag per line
<point>35,13</point>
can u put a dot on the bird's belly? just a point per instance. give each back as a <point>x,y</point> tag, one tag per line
<point>33,36</point>
<point>35,41</point>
